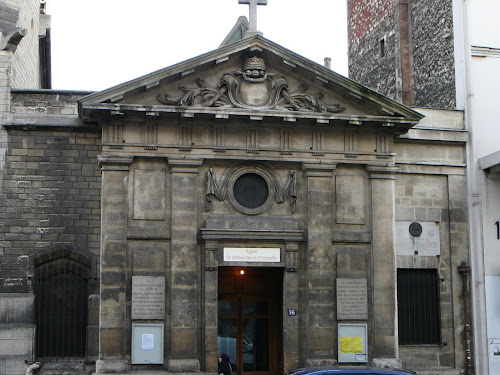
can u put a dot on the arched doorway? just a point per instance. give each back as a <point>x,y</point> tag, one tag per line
<point>61,294</point>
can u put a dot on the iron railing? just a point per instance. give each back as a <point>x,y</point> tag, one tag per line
<point>418,307</point>
<point>61,311</point>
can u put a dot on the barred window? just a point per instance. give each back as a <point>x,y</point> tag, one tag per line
<point>418,307</point>
<point>61,309</point>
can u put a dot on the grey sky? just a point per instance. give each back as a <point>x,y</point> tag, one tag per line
<point>97,44</point>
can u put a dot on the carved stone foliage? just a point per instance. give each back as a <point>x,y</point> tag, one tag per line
<point>264,186</point>
<point>252,88</point>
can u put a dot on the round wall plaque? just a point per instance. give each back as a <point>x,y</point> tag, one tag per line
<point>415,229</point>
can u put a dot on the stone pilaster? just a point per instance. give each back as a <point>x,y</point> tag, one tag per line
<point>210,306</point>
<point>291,300</point>
<point>320,324</point>
<point>186,266</point>
<point>114,340</point>
<point>384,314</point>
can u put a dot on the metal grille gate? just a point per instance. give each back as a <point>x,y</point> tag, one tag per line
<point>418,307</point>
<point>61,310</point>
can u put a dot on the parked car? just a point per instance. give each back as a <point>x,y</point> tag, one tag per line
<point>348,370</point>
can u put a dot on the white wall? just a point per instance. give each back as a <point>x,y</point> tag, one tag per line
<point>484,22</point>
<point>491,214</point>
<point>484,79</point>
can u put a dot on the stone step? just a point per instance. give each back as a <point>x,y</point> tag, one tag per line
<point>439,372</point>
<point>73,367</point>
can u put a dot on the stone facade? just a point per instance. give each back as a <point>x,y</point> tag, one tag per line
<point>404,46</point>
<point>24,15</point>
<point>141,180</point>
<point>51,192</point>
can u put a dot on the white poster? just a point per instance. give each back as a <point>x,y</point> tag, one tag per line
<point>147,342</point>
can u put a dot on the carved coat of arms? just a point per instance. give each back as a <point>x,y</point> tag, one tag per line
<point>252,88</point>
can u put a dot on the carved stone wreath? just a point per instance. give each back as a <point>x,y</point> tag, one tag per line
<point>252,89</point>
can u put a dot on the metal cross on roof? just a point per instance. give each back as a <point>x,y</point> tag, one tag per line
<point>253,13</point>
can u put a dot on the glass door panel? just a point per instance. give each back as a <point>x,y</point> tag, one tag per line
<point>255,344</point>
<point>226,339</point>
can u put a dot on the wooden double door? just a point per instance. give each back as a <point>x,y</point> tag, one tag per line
<point>250,324</point>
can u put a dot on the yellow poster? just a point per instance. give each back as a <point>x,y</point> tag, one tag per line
<point>351,345</point>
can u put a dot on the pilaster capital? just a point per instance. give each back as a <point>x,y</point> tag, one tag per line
<point>383,172</point>
<point>114,162</point>
<point>185,165</point>
<point>319,169</point>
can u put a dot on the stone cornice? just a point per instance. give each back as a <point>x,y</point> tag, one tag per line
<point>270,235</point>
<point>398,124</point>
<point>185,165</point>
<point>382,171</point>
<point>319,169</point>
<point>115,162</point>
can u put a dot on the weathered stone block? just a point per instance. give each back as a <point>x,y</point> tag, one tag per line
<point>183,340</point>
<point>148,259</point>
<point>183,365</point>
<point>111,366</point>
<point>149,195</point>
<point>17,308</point>
<point>321,342</point>
<point>111,342</point>
<point>350,199</point>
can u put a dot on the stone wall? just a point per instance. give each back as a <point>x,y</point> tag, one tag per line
<point>435,192</point>
<point>433,53</point>
<point>368,26</point>
<point>374,23</point>
<point>50,193</point>
<point>25,62</point>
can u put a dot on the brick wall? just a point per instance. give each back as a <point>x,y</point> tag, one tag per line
<point>370,22</point>
<point>50,188</point>
<point>364,16</point>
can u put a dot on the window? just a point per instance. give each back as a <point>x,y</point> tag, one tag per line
<point>61,309</point>
<point>418,307</point>
<point>382,47</point>
<point>251,190</point>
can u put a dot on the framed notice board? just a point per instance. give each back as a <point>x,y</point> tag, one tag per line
<point>352,343</point>
<point>147,344</point>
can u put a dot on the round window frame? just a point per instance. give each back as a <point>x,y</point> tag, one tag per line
<point>268,178</point>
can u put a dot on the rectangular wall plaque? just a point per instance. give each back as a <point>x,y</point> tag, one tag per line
<point>252,254</point>
<point>352,299</point>
<point>148,297</point>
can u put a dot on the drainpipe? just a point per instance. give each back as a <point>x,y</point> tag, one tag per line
<point>464,271</point>
<point>33,367</point>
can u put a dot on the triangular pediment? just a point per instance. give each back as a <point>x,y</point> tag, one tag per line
<point>252,77</point>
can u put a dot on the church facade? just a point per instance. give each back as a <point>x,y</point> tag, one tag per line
<point>246,202</point>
